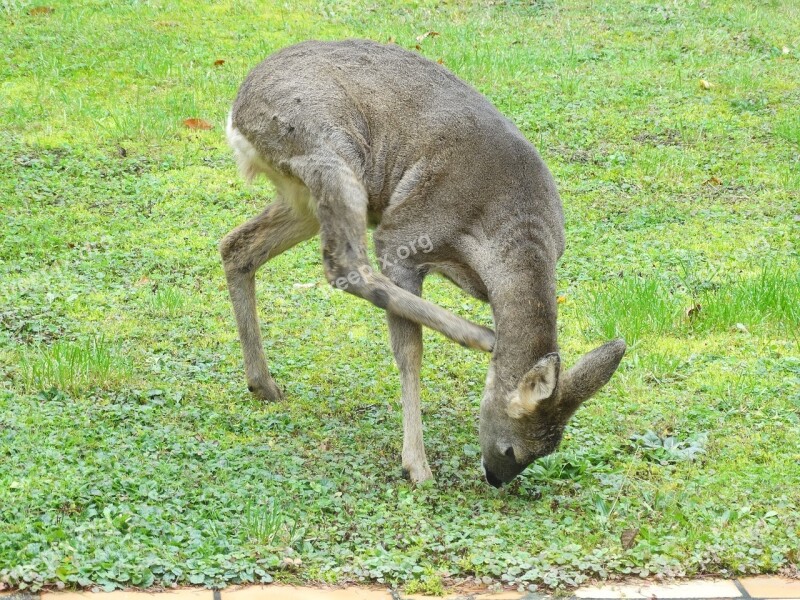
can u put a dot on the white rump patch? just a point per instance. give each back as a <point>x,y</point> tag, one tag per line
<point>251,163</point>
<point>247,157</point>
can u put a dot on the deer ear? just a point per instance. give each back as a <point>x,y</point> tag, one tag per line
<point>537,385</point>
<point>589,374</point>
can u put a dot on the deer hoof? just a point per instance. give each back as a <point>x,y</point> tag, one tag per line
<point>418,473</point>
<point>267,391</point>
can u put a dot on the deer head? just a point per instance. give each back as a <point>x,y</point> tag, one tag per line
<point>524,420</point>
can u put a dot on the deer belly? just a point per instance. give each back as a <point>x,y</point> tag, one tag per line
<point>463,277</point>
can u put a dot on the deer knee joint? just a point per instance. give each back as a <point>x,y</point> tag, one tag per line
<point>228,251</point>
<point>226,247</point>
<point>234,260</point>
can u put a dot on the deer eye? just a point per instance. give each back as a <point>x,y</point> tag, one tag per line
<point>509,452</point>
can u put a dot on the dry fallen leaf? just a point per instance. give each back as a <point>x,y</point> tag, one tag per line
<point>561,299</point>
<point>427,34</point>
<point>219,62</point>
<point>628,537</point>
<point>195,123</point>
<point>440,61</point>
<point>705,84</point>
<point>714,180</point>
<point>41,10</point>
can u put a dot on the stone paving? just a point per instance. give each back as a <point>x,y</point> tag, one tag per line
<point>762,588</point>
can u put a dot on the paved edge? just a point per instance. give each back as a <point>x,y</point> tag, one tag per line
<point>765,587</point>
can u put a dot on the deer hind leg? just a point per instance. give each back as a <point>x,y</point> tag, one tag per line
<point>341,206</point>
<point>406,340</point>
<point>243,251</point>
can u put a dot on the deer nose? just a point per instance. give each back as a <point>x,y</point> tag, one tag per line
<point>491,478</point>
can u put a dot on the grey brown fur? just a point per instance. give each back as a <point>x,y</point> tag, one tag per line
<point>356,133</point>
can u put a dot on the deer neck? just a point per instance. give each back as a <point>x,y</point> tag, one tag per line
<point>524,308</point>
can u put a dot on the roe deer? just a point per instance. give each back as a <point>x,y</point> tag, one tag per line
<point>356,133</point>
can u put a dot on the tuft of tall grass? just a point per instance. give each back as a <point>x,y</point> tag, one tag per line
<point>167,301</point>
<point>72,366</point>
<point>265,523</point>
<point>631,308</point>
<point>639,306</point>
<point>789,129</point>
<point>771,297</point>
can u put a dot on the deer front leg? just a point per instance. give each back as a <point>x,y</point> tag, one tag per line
<point>406,339</point>
<point>243,251</point>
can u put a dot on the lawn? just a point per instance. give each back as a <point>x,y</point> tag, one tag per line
<point>131,453</point>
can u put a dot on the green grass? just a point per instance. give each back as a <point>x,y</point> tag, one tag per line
<point>770,298</point>
<point>74,367</point>
<point>167,302</point>
<point>130,451</point>
<point>636,306</point>
<point>265,522</point>
<point>631,308</point>
<point>789,129</point>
